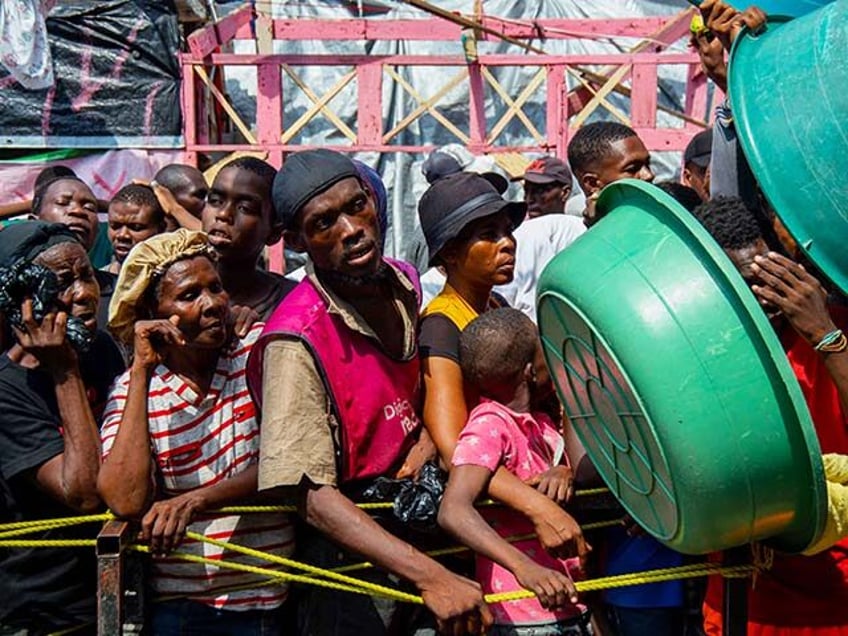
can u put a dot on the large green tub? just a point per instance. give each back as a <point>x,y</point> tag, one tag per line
<point>676,383</point>
<point>792,8</point>
<point>789,90</point>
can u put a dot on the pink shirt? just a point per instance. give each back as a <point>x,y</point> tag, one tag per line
<point>525,444</point>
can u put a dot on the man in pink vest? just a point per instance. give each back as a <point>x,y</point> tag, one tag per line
<point>336,375</point>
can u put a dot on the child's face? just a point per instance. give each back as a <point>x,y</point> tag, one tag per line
<point>237,216</point>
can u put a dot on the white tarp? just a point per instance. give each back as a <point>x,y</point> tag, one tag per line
<point>401,171</point>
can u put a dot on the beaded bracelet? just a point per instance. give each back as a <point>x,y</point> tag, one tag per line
<point>833,342</point>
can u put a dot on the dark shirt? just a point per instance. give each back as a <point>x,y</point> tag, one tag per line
<point>266,306</point>
<point>107,282</point>
<point>438,335</point>
<point>44,589</point>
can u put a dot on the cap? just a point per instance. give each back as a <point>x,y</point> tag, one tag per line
<point>548,170</point>
<point>304,175</point>
<point>456,200</point>
<point>439,164</point>
<point>454,158</point>
<point>700,149</point>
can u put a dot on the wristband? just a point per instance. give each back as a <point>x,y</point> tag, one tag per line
<point>833,342</point>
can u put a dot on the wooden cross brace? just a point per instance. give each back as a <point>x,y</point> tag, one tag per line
<point>427,105</point>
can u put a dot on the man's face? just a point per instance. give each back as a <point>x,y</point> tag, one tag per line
<point>743,259</point>
<point>545,198</point>
<point>338,229</point>
<point>698,179</point>
<point>627,159</point>
<point>238,216</point>
<point>71,202</point>
<point>130,224</point>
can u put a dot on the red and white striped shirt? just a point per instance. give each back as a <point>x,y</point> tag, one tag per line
<point>198,441</point>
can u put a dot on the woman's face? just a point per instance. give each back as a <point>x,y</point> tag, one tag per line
<point>79,292</point>
<point>484,252</point>
<point>191,290</point>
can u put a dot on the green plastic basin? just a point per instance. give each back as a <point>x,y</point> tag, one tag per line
<point>790,103</point>
<point>676,383</point>
<point>791,8</point>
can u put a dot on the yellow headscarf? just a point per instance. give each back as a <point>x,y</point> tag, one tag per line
<point>146,261</point>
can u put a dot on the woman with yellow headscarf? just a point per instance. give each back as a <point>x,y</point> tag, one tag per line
<point>180,439</point>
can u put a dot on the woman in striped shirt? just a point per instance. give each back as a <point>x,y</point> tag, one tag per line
<point>180,439</point>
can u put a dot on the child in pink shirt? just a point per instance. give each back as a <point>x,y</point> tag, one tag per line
<point>497,350</point>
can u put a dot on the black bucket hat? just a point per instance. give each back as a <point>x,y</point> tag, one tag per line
<point>456,200</point>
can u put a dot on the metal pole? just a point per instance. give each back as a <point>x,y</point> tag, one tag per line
<point>735,602</point>
<point>118,611</point>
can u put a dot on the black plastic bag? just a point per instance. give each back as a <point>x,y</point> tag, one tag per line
<point>415,503</point>
<point>25,279</point>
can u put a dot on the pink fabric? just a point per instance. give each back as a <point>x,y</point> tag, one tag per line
<point>376,399</point>
<point>525,444</point>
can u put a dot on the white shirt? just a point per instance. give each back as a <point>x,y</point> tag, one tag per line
<point>537,242</point>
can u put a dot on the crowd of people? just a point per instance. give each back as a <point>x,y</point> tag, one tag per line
<point>181,376</point>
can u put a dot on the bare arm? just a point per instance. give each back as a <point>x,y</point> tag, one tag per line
<point>455,601</point>
<point>445,410</point>
<point>70,477</point>
<point>125,480</point>
<point>173,209</point>
<point>458,516</point>
<point>164,526</point>
<point>445,414</point>
<point>14,209</point>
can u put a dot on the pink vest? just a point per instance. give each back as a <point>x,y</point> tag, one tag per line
<point>374,398</point>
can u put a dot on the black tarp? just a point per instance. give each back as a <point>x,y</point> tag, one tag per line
<point>117,79</point>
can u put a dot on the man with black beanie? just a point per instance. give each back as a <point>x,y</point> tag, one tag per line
<point>336,375</point>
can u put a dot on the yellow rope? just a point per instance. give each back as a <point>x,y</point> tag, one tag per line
<point>364,565</point>
<point>62,521</point>
<point>365,587</point>
<point>337,581</point>
<point>280,560</point>
<point>35,525</point>
<point>638,578</point>
<point>287,576</point>
<point>48,543</point>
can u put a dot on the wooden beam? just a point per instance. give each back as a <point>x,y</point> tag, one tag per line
<point>501,59</point>
<point>427,105</point>
<point>319,104</point>
<point>204,41</point>
<point>599,96</point>
<point>225,104</point>
<point>670,32</point>
<point>602,100</point>
<point>655,139</point>
<point>514,106</point>
<point>436,29</point>
<point>369,112</point>
<point>643,103</point>
<point>469,23</point>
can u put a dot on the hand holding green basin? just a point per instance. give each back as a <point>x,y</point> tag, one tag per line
<point>676,383</point>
